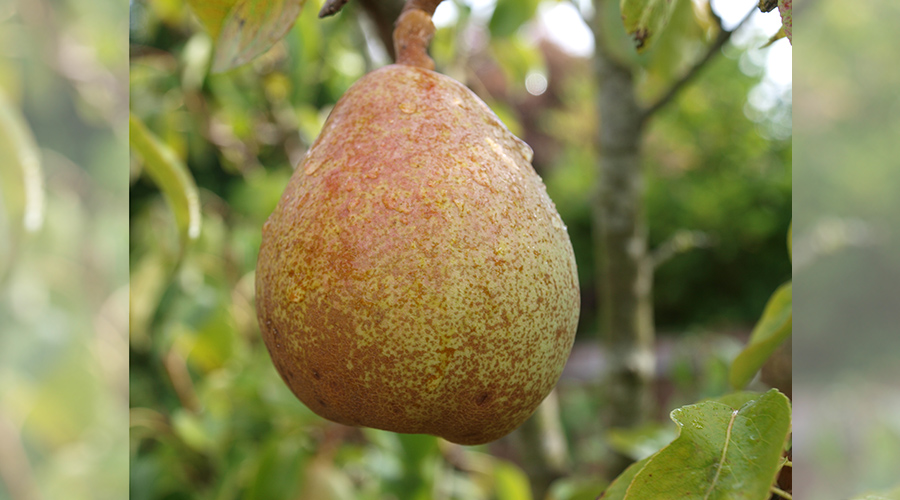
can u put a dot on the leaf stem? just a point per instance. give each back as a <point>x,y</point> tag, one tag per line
<point>780,492</point>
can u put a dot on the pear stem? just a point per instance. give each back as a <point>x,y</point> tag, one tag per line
<point>414,32</point>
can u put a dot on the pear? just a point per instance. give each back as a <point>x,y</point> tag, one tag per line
<point>415,275</point>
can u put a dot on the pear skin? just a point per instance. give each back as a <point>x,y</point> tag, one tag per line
<point>415,275</point>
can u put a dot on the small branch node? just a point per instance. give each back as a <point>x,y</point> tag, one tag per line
<point>332,7</point>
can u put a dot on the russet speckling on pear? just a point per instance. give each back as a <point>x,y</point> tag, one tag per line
<point>415,275</point>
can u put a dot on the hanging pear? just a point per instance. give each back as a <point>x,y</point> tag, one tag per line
<point>415,275</point>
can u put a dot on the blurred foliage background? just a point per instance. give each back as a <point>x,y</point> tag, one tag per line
<point>210,418</point>
<point>63,250</point>
<point>847,411</point>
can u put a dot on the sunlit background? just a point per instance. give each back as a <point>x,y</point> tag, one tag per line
<point>846,227</point>
<point>63,250</point>
<point>63,301</point>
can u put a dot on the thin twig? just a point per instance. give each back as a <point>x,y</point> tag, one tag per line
<point>680,242</point>
<point>713,49</point>
<point>332,7</point>
<point>780,492</point>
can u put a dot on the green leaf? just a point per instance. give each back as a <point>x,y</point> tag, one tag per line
<point>20,168</point>
<point>644,19</point>
<point>510,482</point>
<point>509,15</point>
<point>784,7</point>
<point>171,175</point>
<point>619,488</point>
<point>251,28</point>
<point>721,452</point>
<point>773,328</point>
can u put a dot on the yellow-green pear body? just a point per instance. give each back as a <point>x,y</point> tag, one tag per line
<point>415,275</point>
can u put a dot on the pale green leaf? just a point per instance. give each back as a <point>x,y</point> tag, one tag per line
<point>251,28</point>
<point>644,19</point>
<point>773,328</point>
<point>171,175</point>
<point>721,452</point>
<point>784,7</point>
<point>20,169</point>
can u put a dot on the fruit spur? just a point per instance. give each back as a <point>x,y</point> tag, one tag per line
<point>415,275</point>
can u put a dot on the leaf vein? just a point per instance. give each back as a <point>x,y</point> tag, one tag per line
<point>715,479</point>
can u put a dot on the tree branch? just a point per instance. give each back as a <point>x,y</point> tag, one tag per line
<point>679,84</point>
<point>680,242</point>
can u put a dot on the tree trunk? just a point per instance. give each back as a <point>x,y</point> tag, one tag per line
<point>625,272</point>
